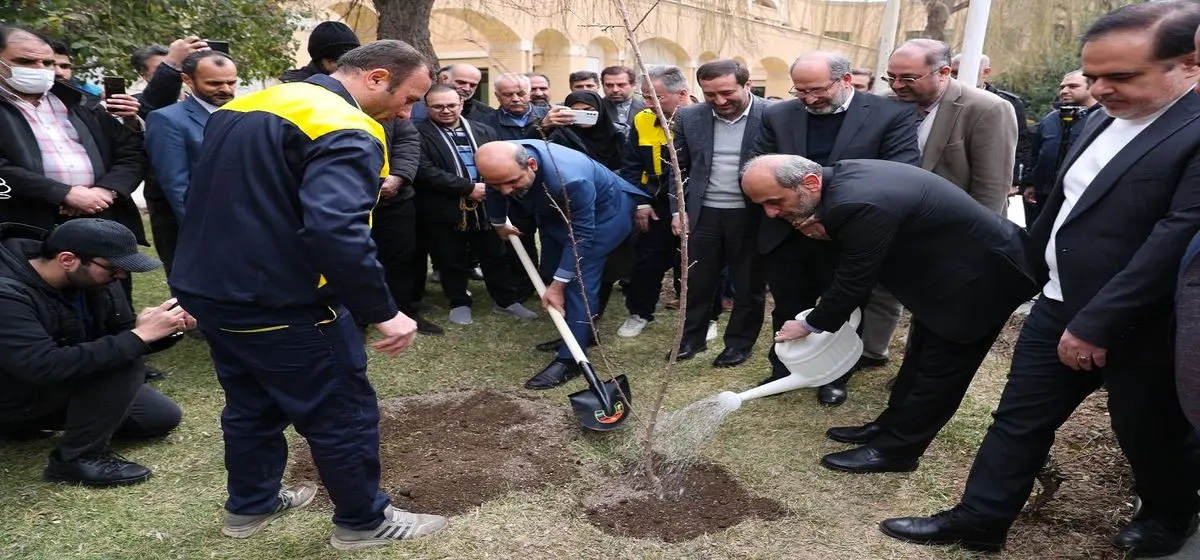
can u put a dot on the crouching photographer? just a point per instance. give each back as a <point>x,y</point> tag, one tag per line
<point>71,349</point>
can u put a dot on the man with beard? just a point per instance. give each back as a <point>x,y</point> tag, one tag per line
<point>71,349</point>
<point>827,122</point>
<point>618,95</point>
<point>539,90</point>
<point>713,140</point>
<point>174,134</point>
<point>960,268</point>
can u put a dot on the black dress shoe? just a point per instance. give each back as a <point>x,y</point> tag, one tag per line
<point>867,460</point>
<point>427,328</point>
<point>688,351</point>
<point>947,528</point>
<point>865,362</point>
<point>833,394</point>
<point>100,470</point>
<point>1150,537</point>
<point>560,371</point>
<point>731,357</point>
<point>859,435</point>
<point>153,373</point>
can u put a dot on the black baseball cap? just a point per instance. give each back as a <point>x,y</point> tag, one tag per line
<point>95,237</point>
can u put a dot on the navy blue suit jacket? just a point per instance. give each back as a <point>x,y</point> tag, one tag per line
<point>587,191</point>
<point>174,135</point>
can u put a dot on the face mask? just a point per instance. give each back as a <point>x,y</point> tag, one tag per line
<point>31,81</point>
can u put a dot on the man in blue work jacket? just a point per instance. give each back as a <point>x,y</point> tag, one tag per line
<point>551,181</point>
<point>276,259</point>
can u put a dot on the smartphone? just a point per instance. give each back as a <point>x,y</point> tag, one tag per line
<point>222,46</point>
<point>584,116</point>
<point>113,85</point>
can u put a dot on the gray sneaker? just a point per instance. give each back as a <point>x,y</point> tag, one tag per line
<point>461,315</point>
<point>516,310</point>
<point>398,525</point>
<point>241,526</point>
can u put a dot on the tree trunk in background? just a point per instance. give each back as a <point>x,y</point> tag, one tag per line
<point>937,16</point>
<point>408,21</point>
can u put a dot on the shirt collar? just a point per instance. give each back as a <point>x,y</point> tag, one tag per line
<point>207,106</point>
<point>739,117</point>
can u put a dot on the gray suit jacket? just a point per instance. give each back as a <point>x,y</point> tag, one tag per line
<point>973,143</point>
<point>875,128</point>
<point>694,145</point>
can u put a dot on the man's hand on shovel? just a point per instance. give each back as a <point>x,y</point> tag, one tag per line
<point>553,297</point>
<point>506,230</point>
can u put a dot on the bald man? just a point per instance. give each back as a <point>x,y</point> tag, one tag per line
<point>957,266</point>
<point>546,178</point>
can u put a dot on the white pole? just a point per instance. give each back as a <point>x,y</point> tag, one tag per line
<point>887,43</point>
<point>976,32</point>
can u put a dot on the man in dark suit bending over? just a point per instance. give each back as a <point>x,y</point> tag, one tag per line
<point>959,267</point>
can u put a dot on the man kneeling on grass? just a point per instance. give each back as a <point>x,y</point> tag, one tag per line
<point>71,348</point>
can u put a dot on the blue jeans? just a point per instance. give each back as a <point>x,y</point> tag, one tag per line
<point>307,368</point>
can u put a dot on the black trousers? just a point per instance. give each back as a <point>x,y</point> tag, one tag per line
<point>453,250</point>
<point>722,237</point>
<point>1032,211</point>
<point>798,271</point>
<point>656,252</point>
<point>394,229</point>
<point>165,230</point>
<point>930,386</point>
<point>1041,394</point>
<point>525,222</point>
<point>92,412</point>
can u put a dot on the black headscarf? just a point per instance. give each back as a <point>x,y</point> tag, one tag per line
<point>602,142</point>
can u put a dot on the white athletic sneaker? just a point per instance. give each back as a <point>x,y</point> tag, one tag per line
<point>242,526</point>
<point>632,326</point>
<point>398,525</point>
<point>516,310</point>
<point>461,315</point>
<point>712,333</point>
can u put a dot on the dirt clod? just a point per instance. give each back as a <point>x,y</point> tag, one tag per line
<point>699,500</point>
<point>448,453</point>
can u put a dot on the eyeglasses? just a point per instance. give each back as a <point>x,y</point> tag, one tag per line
<point>113,270</point>
<point>448,107</point>
<point>807,92</point>
<point>909,80</point>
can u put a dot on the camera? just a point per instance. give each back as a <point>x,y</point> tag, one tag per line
<point>1068,113</point>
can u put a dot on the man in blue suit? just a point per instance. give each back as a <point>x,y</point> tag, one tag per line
<point>550,181</point>
<point>174,134</point>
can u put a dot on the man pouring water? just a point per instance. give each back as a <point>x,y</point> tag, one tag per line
<point>958,267</point>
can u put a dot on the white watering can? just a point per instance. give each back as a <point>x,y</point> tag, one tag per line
<point>813,361</point>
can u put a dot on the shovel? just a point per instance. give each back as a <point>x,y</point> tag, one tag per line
<point>604,405</point>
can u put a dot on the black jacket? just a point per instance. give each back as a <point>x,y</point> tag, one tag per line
<point>117,159</point>
<point>959,267</point>
<point>404,156</point>
<point>43,341</point>
<point>1023,164</point>
<point>440,184</point>
<point>162,91</point>
<point>303,73</point>
<point>1119,249</point>
<point>875,128</point>
<point>506,129</point>
<point>1045,144</point>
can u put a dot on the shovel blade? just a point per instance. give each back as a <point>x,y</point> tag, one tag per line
<point>590,410</point>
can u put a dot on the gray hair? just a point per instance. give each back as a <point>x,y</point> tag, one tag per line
<point>521,156</point>
<point>671,77</point>
<point>521,80</point>
<point>1079,72</point>
<point>789,170</point>
<point>839,63</point>
<point>937,53</point>
<point>984,60</point>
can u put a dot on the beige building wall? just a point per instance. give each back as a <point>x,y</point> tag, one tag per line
<point>766,35</point>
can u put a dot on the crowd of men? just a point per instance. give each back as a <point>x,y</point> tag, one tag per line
<point>289,220</point>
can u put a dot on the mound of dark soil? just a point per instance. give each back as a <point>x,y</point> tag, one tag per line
<point>448,453</point>
<point>700,499</point>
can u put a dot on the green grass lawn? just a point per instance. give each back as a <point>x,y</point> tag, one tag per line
<point>771,445</point>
